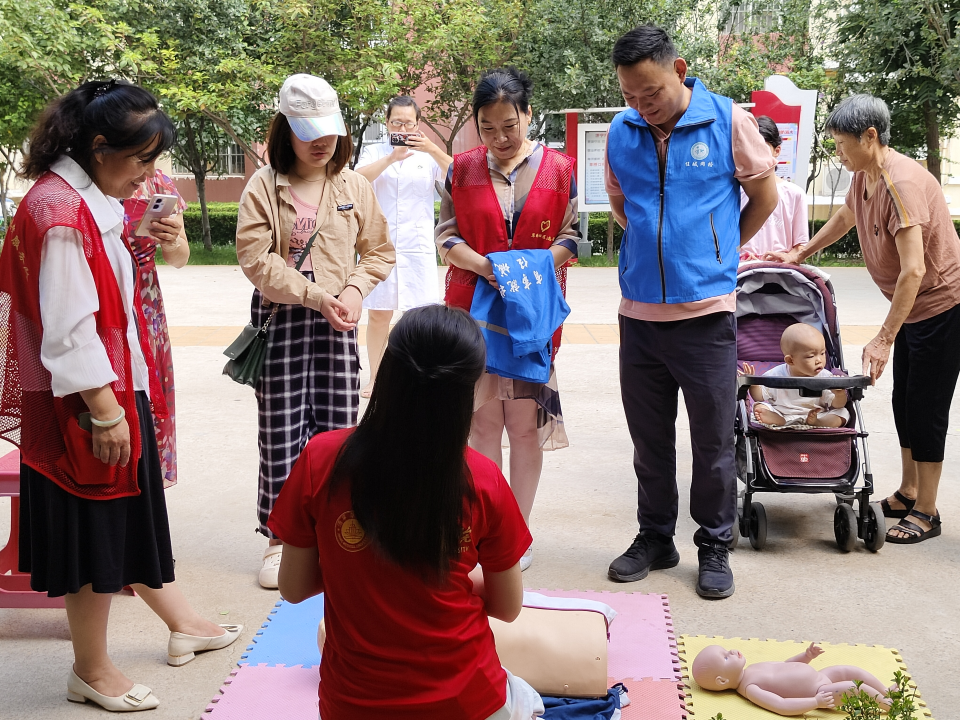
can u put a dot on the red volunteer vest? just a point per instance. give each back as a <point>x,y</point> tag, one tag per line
<point>480,217</point>
<point>45,427</point>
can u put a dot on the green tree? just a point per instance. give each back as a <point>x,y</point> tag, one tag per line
<point>904,51</point>
<point>451,43</point>
<point>58,44</point>
<point>566,44</point>
<point>20,104</point>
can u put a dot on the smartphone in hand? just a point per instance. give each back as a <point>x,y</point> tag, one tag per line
<point>159,206</point>
<point>400,139</point>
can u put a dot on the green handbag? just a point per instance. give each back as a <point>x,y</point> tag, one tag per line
<point>249,350</point>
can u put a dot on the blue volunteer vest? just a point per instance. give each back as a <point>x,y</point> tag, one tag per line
<point>683,234</point>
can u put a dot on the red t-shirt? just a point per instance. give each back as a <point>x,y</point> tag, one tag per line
<point>397,647</point>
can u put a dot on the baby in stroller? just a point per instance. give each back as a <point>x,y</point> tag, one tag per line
<point>804,353</point>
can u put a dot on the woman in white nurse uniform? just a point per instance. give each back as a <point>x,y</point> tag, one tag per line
<point>403,181</point>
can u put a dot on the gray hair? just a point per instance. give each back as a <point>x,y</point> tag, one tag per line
<point>857,113</point>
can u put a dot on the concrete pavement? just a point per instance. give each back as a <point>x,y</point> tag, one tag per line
<point>800,587</point>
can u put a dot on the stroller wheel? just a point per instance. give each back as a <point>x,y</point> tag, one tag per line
<point>845,527</point>
<point>875,529</point>
<point>757,526</point>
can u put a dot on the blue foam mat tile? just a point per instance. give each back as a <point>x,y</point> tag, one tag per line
<point>289,637</point>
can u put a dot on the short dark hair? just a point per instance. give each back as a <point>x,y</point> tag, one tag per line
<point>405,464</point>
<point>125,114</point>
<point>403,101</point>
<point>858,113</point>
<point>769,131</point>
<point>280,148</point>
<point>505,84</point>
<point>646,42</point>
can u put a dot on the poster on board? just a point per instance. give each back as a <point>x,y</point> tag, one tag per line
<point>591,165</point>
<point>787,161</point>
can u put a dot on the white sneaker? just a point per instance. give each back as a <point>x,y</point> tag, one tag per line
<point>270,571</point>
<point>527,559</point>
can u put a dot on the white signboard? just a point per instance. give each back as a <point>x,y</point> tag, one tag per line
<point>787,162</point>
<point>591,164</point>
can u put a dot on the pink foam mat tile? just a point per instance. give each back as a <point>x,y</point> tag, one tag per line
<point>261,692</point>
<point>642,642</point>
<point>653,699</point>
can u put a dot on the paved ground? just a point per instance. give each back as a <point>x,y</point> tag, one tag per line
<point>800,587</point>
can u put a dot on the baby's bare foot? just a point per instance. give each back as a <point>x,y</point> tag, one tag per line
<point>768,416</point>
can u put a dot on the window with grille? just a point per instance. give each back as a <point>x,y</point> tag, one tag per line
<point>752,16</point>
<point>230,161</point>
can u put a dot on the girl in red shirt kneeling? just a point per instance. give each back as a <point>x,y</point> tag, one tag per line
<point>391,520</point>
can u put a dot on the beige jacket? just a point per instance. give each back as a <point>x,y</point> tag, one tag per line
<point>350,222</point>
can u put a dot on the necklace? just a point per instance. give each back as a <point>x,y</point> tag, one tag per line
<point>324,177</point>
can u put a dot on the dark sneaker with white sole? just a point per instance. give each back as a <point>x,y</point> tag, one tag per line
<point>716,578</point>
<point>649,551</point>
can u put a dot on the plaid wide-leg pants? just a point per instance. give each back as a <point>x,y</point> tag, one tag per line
<point>310,384</point>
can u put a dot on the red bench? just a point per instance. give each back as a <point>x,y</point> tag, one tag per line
<point>15,589</point>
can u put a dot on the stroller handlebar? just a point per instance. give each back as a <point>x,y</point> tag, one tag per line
<point>814,386</point>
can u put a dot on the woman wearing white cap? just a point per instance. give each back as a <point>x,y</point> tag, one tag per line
<point>311,375</point>
<point>403,177</point>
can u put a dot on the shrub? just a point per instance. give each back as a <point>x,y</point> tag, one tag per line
<point>223,222</point>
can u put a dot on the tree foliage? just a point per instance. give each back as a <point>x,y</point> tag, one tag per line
<point>905,51</point>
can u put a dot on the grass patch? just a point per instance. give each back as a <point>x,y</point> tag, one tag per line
<point>220,255</point>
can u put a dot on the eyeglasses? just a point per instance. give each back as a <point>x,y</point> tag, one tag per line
<point>397,125</point>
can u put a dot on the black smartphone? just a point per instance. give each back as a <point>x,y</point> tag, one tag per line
<point>399,139</point>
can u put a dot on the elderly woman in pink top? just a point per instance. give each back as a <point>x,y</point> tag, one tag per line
<point>786,228</point>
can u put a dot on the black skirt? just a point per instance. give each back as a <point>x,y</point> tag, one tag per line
<point>67,542</point>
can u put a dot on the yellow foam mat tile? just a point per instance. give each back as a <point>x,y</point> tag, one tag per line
<point>705,704</point>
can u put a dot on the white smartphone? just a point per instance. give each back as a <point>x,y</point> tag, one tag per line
<point>159,206</point>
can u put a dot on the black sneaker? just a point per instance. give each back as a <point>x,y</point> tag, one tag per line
<point>649,551</point>
<point>716,577</point>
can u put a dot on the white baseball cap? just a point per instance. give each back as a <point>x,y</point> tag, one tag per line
<point>311,107</point>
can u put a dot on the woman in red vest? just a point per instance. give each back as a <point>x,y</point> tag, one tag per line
<point>79,386</point>
<point>511,193</point>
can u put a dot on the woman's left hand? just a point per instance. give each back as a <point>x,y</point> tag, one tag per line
<point>353,300</point>
<point>876,354</point>
<point>167,231</point>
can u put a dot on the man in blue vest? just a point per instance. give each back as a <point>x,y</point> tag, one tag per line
<point>676,161</point>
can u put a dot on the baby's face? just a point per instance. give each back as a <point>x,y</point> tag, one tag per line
<point>716,668</point>
<point>808,359</point>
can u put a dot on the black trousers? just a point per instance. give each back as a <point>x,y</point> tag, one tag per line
<point>926,363</point>
<point>657,359</point>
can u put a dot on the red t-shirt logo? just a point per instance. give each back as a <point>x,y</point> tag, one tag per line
<point>804,458</point>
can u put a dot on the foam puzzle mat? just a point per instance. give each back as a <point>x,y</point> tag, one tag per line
<point>286,638</point>
<point>278,677</point>
<point>703,704</point>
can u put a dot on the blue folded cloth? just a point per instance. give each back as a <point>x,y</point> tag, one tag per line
<point>605,708</point>
<point>518,319</point>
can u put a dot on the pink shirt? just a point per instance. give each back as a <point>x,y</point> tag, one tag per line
<point>753,161</point>
<point>303,228</point>
<point>784,229</point>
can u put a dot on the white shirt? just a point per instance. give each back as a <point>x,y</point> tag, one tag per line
<point>70,348</point>
<point>789,401</point>
<point>405,191</point>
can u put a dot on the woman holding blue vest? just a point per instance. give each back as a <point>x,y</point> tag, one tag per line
<point>676,161</point>
<point>510,193</point>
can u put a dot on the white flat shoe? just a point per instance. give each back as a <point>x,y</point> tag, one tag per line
<point>270,571</point>
<point>139,697</point>
<point>183,648</point>
<point>526,560</point>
